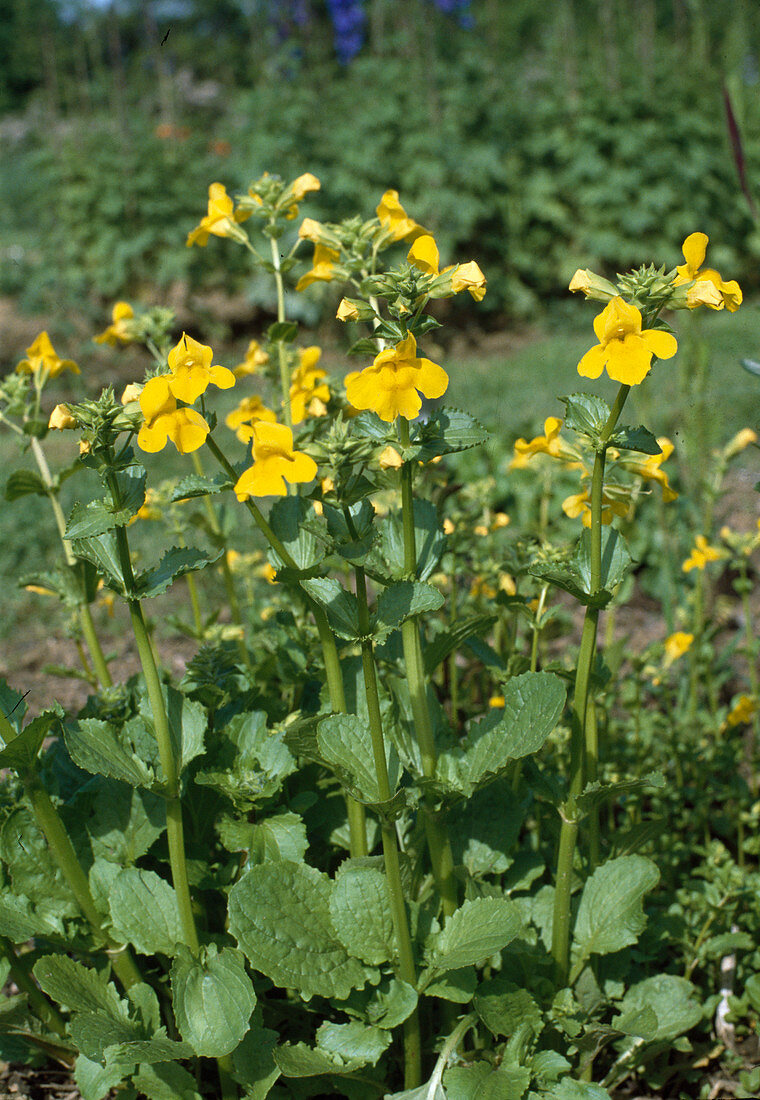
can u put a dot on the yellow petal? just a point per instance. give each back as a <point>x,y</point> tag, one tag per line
<point>662,344</point>
<point>628,360</point>
<point>592,363</point>
<point>694,249</point>
<point>155,398</point>
<point>424,255</point>
<point>222,377</point>
<point>153,438</point>
<point>188,430</point>
<point>432,380</point>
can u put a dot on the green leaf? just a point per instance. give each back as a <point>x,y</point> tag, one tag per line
<point>674,1000</point>
<point>457,986</point>
<point>21,753</point>
<point>165,1081</point>
<point>97,747</point>
<point>250,762</point>
<point>533,704</point>
<point>96,1081</point>
<point>353,1042</point>
<point>300,1060</point>
<point>368,423</point>
<point>447,431</point>
<point>80,989</point>
<point>429,541</point>
<point>485,828</point>
<point>404,600</point>
<point>341,606</point>
<point>33,871</point>
<point>283,332</point>
<point>475,932</point>
<point>19,922</point>
<point>22,483</point>
<point>254,1063</point>
<point>586,413</point>
<point>291,518</point>
<point>144,912</point>
<point>280,915</point>
<point>157,1049</point>
<point>212,998</point>
<point>503,1007</point>
<point>176,562</point>
<point>126,822</point>
<point>595,794</point>
<point>578,1090</point>
<point>611,914</point>
<point>196,486</point>
<point>391,1004</point>
<point>573,574</point>
<point>361,915</point>
<point>99,516</point>
<point>635,439</point>
<point>345,744</point>
<point>102,552</point>
<point>464,1082</point>
<point>282,836</point>
<point>187,724</point>
<point>13,705</point>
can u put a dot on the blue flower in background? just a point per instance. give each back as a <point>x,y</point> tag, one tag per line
<point>349,19</point>
<point>460,8</point>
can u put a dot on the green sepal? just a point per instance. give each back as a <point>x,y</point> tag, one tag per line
<point>196,486</point>
<point>573,574</point>
<point>176,562</point>
<point>23,483</point>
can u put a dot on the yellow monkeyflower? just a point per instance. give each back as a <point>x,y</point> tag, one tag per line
<point>624,349</point>
<point>390,459</point>
<point>694,249</point>
<point>741,440</point>
<point>424,255</point>
<point>701,554</point>
<point>255,357</point>
<point>164,420</point>
<point>308,393</point>
<point>61,418</point>
<point>676,645</point>
<point>131,393</point>
<point>249,412</point>
<point>742,711</point>
<point>394,220</point>
<point>469,277</point>
<point>118,332</point>
<point>323,267</point>
<point>220,220</point>
<point>301,187</point>
<point>497,701</point>
<point>592,285</point>
<point>649,468</point>
<point>579,504</point>
<point>392,386</point>
<point>347,311</point>
<point>42,360</point>
<point>274,463</point>
<point>480,530</point>
<point>192,372</point>
<point>549,443</point>
<point>500,519</point>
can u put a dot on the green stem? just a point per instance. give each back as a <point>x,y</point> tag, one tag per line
<point>21,974</point>
<point>356,813</point>
<point>85,616</point>
<point>436,832</point>
<point>281,352</point>
<point>583,733</point>
<point>407,970</point>
<point>174,826</point>
<point>63,853</point>
<point>192,589</point>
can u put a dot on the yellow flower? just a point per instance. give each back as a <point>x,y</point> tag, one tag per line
<point>676,645</point>
<point>497,701</point>
<point>424,255</point>
<point>192,372</point>
<point>694,249</point>
<point>323,267</point>
<point>346,311</point>
<point>255,357</point>
<point>704,293</point>
<point>308,393</point>
<point>469,277</point>
<point>592,285</point>
<point>149,509</point>
<point>164,420</point>
<point>131,393</point>
<point>579,504</point>
<point>448,527</point>
<point>507,584</point>
<point>649,468</point>
<point>549,443</point>
<point>118,332</point>
<point>390,459</point>
<point>219,221</point>
<point>624,349</point>
<point>242,419</point>
<point>481,530</point>
<point>390,386</point>
<point>500,519</point>
<point>397,225</point>
<point>741,440</point>
<point>274,463</point>
<point>480,587</point>
<point>300,188</point>
<point>701,554</point>
<point>39,590</point>
<point>742,711</point>
<point>42,360</point>
<point>61,418</point>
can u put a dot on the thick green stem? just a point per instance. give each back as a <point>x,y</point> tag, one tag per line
<point>407,970</point>
<point>581,734</point>
<point>436,832</point>
<point>85,616</point>
<point>20,973</point>
<point>169,766</point>
<point>281,351</point>
<point>63,853</point>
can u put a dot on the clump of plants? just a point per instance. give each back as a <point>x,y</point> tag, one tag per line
<point>381,838</point>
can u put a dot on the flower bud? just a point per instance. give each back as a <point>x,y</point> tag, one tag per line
<point>741,440</point>
<point>390,459</point>
<point>131,393</point>
<point>61,418</point>
<point>593,285</point>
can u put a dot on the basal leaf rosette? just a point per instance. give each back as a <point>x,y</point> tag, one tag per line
<point>625,350</point>
<point>275,463</point>
<point>392,386</point>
